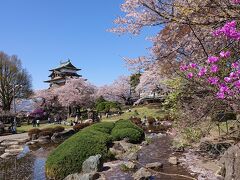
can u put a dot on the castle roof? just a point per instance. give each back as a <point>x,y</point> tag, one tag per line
<point>67,65</point>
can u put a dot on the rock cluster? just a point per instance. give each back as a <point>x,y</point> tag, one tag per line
<point>124,150</point>
<point>11,147</point>
<point>231,163</point>
<point>142,174</point>
<point>90,169</point>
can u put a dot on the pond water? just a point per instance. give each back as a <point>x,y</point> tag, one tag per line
<point>28,165</point>
<point>160,151</point>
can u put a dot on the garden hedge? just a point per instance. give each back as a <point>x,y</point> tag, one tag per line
<point>68,157</point>
<point>127,129</point>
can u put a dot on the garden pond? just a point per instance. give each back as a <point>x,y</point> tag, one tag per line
<point>30,163</point>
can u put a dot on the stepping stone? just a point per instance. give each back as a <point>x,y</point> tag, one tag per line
<point>156,165</point>
<point>5,155</point>
<point>13,151</point>
<point>9,143</point>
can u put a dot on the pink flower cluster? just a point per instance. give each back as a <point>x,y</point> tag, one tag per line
<point>229,30</point>
<point>235,1</point>
<point>226,86</point>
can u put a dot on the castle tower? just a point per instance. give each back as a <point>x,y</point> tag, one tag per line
<point>64,71</point>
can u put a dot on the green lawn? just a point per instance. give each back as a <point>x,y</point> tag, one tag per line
<point>140,111</point>
<point>26,128</point>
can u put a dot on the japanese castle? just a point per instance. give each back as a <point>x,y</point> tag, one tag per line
<point>64,71</point>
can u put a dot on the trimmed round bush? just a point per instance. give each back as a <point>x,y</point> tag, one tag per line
<point>151,120</point>
<point>78,127</point>
<point>136,121</point>
<point>46,133</point>
<point>47,129</point>
<point>58,129</point>
<point>33,131</point>
<point>121,124</point>
<point>133,135</point>
<point>127,129</point>
<point>68,157</point>
<point>105,127</point>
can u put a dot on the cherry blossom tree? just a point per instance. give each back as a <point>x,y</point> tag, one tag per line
<point>119,90</point>
<point>184,29</point>
<point>76,92</point>
<point>184,38</point>
<point>151,81</point>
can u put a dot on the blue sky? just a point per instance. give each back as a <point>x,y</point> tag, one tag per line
<point>43,32</point>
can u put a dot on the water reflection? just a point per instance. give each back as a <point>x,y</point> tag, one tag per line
<point>39,169</point>
<point>25,151</point>
<point>28,165</point>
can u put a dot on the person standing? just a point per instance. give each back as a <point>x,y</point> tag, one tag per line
<point>49,120</point>
<point>34,122</point>
<point>38,123</point>
<point>60,120</point>
<point>15,125</point>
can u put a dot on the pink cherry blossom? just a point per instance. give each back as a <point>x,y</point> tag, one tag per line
<point>227,79</point>
<point>192,65</point>
<point>213,59</point>
<point>229,30</point>
<point>225,54</point>
<point>235,65</point>
<point>202,72</point>
<point>233,75</point>
<point>183,67</point>
<point>190,75</point>
<point>224,88</point>
<point>237,84</point>
<point>213,80</point>
<point>214,68</point>
<point>235,1</point>
<point>221,95</point>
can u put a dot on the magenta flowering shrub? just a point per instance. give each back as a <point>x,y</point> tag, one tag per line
<point>220,72</point>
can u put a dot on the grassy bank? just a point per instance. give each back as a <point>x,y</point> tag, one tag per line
<point>26,128</point>
<point>153,110</point>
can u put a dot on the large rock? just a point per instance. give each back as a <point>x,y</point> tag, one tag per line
<point>30,143</point>
<point>130,165</point>
<point>87,176</point>
<point>144,143</point>
<point>173,160</point>
<point>126,145</point>
<point>62,135</point>
<point>231,163</point>
<point>215,148</point>
<point>155,166</point>
<point>9,143</point>
<point>132,156</point>
<point>92,164</point>
<point>22,140</point>
<point>34,137</point>
<point>5,155</point>
<point>142,174</point>
<point>14,149</point>
<point>43,140</point>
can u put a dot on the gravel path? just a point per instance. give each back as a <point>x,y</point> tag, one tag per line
<point>14,137</point>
